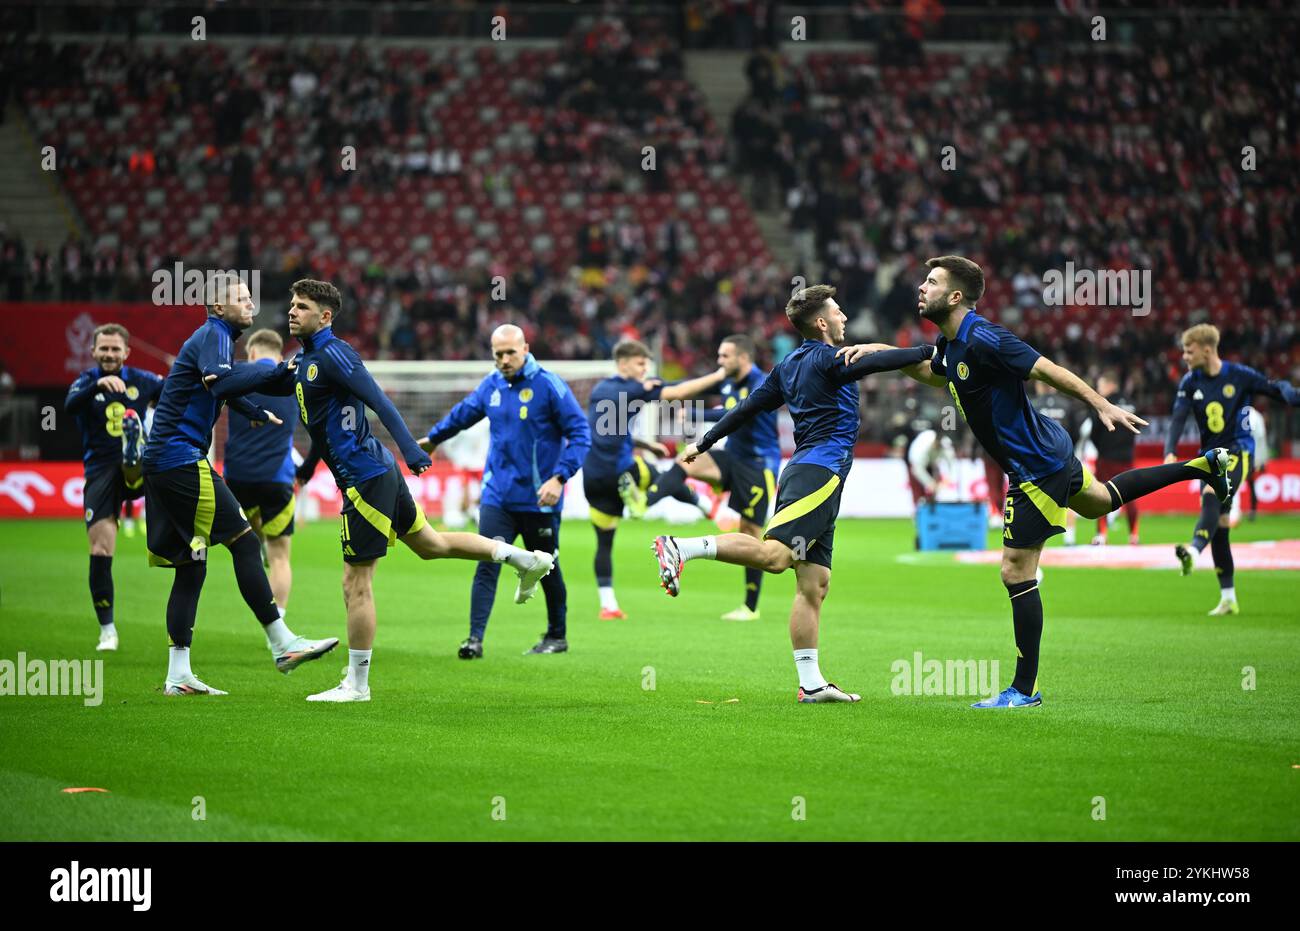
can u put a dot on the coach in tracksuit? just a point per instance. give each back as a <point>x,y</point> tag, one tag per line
<point>539,438</point>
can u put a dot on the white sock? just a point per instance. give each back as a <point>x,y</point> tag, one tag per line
<point>359,667</point>
<point>607,600</point>
<point>512,555</point>
<point>1228,594</point>
<point>107,630</point>
<point>810,674</point>
<point>278,635</point>
<point>178,663</point>
<point>697,547</point>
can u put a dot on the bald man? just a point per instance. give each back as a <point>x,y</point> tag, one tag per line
<point>539,438</point>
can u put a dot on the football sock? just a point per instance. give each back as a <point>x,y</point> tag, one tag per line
<point>359,667</point>
<point>1228,594</point>
<point>753,583</point>
<point>810,674</point>
<point>183,603</point>
<point>687,495</point>
<point>1223,565</point>
<point>1208,523</point>
<point>278,636</point>
<point>1138,482</point>
<point>1101,526</point>
<point>607,600</point>
<point>178,663</point>
<point>604,563</point>
<point>1027,619</point>
<point>101,588</point>
<point>108,630</point>
<point>251,578</point>
<point>666,483</point>
<point>697,547</point>
<point>512,555</point>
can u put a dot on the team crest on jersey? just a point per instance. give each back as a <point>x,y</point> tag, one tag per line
<point>495,400</point>
<point>963,371</point>
<point>1229,390</point>
<point>744,393</point>
<point>526,395</point>
<point>312,372</point>
<point>89,514</point>
<point>132,392</point>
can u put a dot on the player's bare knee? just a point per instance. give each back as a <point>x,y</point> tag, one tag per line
<point>778,558</point>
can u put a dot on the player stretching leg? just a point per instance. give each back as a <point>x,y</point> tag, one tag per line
<point>822,395</point>
<point>109,402</point>
<point>613,477</point>
<point>1218,394</point>
<point>190,507</point>
<point>746,468</point>
<point>333,389</point>
<point>984,367</point>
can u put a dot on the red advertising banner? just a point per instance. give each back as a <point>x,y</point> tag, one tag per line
<point>53,489</point>
<point>47,345</point>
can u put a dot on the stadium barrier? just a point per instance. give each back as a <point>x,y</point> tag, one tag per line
<point>875,488</point>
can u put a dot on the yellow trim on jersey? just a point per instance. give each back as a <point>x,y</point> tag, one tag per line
<point>771,487</point>
<point>253,512</point>
<point>1055,513</point>
<point>373,515</point>
<point>1245,469</point>
<point>276,525</point>
<point>1087,479</point>
<point>206,509</point>
<point>156,560</point>
<point>797,509</point>
<point>602,521</point>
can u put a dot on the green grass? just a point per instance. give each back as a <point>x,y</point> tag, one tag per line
<point>1144,706</point>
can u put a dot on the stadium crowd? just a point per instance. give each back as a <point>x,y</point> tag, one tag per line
<point>1064,151</point>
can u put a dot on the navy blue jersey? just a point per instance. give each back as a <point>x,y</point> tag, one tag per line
<point>99,413</point>
<point>759,438</point>
<point>188,409</point>
<point>822,396</point>
<point>1221,405</point>
<point>610,412</point>
<point>261,451</point>
<point>986,366</point>
<point>334,388</point>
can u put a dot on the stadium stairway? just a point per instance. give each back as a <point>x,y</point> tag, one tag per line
<point>30,199</point>
<point>720,75</point>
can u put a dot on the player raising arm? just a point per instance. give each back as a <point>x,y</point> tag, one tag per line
<point>984,367</point>
<point>822,395</point>
<point>333,389</point>
<point>190,507</point>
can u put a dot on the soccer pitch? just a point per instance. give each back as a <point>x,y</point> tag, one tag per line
<point>1144,705</point>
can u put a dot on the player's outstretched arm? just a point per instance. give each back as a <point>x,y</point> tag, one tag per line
<point>357,378</point>
<point>1062,379</point>
<point>920,371</point>
<point>461,417</point>
<point>766,397</point>
<point>1258,383</point>
<point>693,386</point>
<point>249,377</point>
<point>887,360</point>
